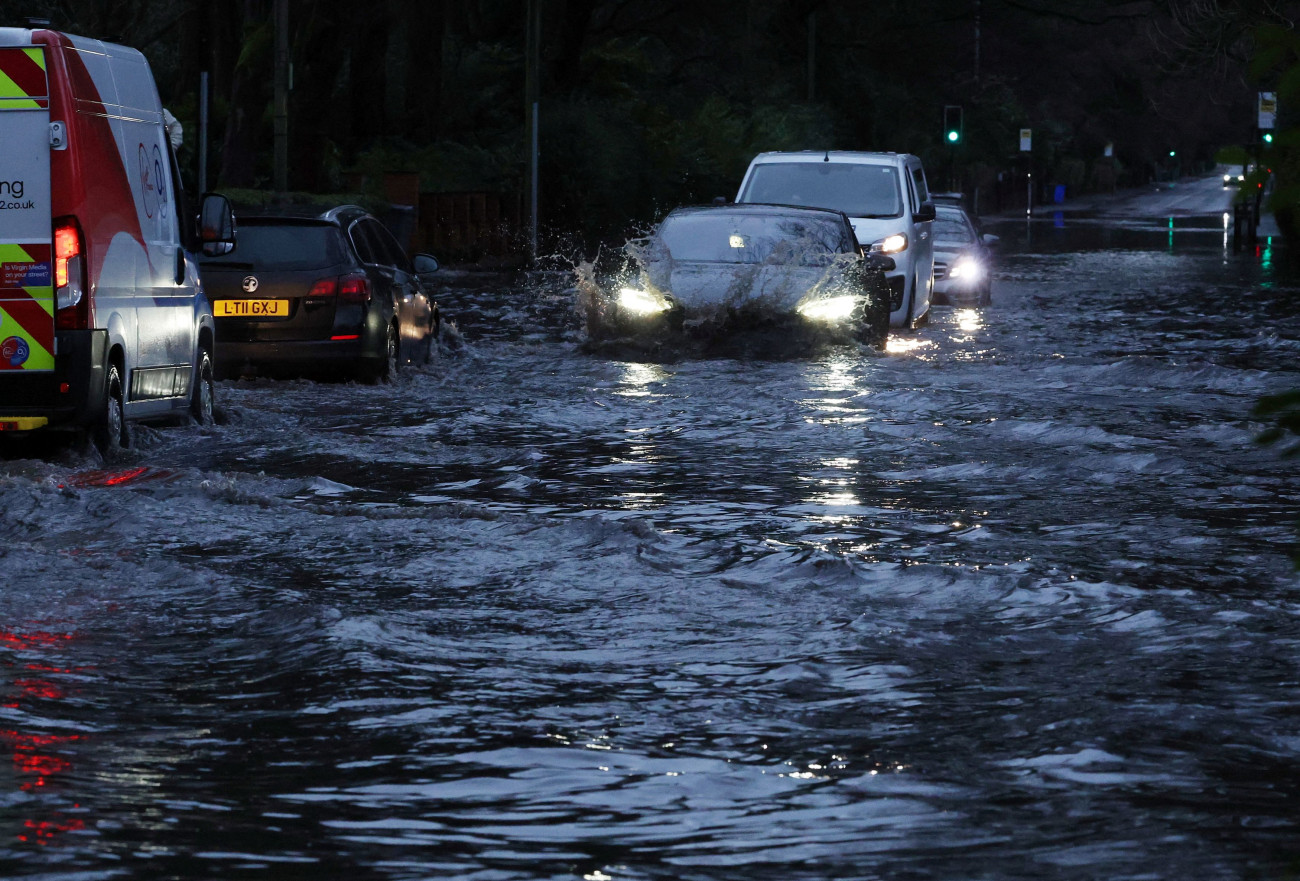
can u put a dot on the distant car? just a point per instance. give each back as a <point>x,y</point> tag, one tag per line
<point>963,260</point>
<point>713,270</point>
<point>1234,177</point>
<point>327,293</point>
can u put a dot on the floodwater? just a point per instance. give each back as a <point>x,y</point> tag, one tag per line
<point>1011,599</point>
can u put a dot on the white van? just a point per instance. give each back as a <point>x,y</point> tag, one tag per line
<point>103,318</point>
<point>885,196</point>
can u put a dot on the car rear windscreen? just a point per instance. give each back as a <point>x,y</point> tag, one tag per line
<point>285,246</point>
<point>857,189</point>
<point>727,237</point>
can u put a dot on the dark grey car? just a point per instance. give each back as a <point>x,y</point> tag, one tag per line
<point>328,293</point>
<point>710,271</point>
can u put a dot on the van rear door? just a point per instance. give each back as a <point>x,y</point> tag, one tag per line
<point>26,249</point>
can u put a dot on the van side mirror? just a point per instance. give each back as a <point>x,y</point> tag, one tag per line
<point>924,213</point>
<point>216,225</point>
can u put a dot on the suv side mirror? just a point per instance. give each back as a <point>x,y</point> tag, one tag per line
<point>216,225</point>
<point>924,213</point>
<point>425,264</point>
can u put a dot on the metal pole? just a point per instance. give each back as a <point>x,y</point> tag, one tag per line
<point>812,56</point>
<point>203,132</point>
<point>281,120</point>
<point>532,193</point>
<point>532,75</point>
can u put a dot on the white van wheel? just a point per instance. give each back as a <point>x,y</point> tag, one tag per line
<point>110,432</point>
<point>203,398</point>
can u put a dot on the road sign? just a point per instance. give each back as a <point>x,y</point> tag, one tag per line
<point>1026,140</point>
<point>1267,109</point>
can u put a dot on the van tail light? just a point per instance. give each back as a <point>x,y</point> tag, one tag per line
<point>71,304</point>
<point>354,289</point>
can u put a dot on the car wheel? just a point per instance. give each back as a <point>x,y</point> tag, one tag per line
<point>986,297</point>
<point>110,431</point>
<point>388,370</point>
<point>203,398</point>
<point>430,338</point>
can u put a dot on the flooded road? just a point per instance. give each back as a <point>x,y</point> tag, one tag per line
<point>1012,599</point>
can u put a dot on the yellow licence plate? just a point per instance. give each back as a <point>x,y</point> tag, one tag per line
<point>251,308</point>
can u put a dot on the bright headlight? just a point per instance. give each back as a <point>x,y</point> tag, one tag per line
<point>967,268</point>
<point>641,302</point>
<point>890,244</point>
<point>828,308</point>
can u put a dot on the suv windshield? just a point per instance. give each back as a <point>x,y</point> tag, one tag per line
<point>724,237</point>
<point>282,245</point>
<point>857,189</point>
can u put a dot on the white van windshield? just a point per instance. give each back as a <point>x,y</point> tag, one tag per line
<point>857,189</point>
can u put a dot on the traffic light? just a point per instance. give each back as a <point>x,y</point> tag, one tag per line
<point>952,123</point>
<point>1267,137</point>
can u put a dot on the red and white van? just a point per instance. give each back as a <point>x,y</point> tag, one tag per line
<point>103,317</point>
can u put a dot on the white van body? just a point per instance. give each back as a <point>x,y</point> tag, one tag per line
<point>103,318</point>
<point>886,197</point>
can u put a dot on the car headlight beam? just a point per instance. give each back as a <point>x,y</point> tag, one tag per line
<point>967,268</point>
<point>828,309</point>
<point>890,244</point>
<point>641,302</point>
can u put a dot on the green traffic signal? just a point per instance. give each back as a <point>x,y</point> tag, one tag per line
<point>952,123</point>
<point>1268,137</point>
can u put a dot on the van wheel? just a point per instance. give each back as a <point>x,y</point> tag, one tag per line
<point>110,433</point>
<point>203,398</point>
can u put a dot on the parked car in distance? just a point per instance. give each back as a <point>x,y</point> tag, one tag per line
<point>711,271</point>
<point>886,197</point>
<point>331,293</point>
<point>103,318</point>
<point>963,259</point>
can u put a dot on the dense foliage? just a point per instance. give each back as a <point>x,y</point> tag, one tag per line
<point>645,104</point>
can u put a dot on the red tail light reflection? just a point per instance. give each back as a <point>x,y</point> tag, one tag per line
<point>37,764</point>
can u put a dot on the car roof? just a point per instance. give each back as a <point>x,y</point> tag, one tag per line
<point>739,208</point>
<point>858,156</point>
<point>340,215</point>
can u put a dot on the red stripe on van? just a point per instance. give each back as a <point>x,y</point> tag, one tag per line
<point>27,75</point>
<point>31,317</point>
<point>103,202</point>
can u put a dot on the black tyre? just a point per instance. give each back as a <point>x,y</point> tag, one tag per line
<point>110,432</point>
<point>203,397</point>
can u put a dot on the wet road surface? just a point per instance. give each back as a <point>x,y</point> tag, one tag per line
<point>1012,599</point>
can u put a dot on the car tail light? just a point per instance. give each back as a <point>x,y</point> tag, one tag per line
<point>326,287</point>
<point>354,289</point>
<point>72,306</point>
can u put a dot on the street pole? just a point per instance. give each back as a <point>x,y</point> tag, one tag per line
<point>812,56</point>
<point>203,132</point>
<point>281,108</point>
<point>532,114</point>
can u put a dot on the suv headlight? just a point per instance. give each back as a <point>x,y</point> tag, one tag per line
<point>890,244</point>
